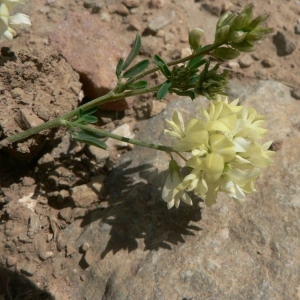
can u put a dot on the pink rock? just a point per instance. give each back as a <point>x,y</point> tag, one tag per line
<point>93,50</point>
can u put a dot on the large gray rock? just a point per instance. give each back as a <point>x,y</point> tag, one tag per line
<point>142,250</point>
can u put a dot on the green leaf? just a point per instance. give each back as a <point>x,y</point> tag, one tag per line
<point>89,111</point>
<point>84,137</point>
<point>197,62</point>
<point>90,119</point>
<point>162,65</point>
<point>136,69</point>
<point>164,90</point>
<point>80,120</point>
<point>92,133</point>
<point>120,67</point>
<point>138,85</point>
<point>86,120</point>
<point>135,50</point>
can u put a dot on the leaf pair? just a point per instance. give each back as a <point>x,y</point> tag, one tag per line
<point>85,117</point>
<point>137,68</point>
<point>88,137</point>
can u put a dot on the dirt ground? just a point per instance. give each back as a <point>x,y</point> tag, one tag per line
<point>41,172</point>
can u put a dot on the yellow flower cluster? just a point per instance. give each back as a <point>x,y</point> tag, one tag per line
<point>8,24</point>
<point>226,155</point>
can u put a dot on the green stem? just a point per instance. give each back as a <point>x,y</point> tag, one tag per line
<point>111,96</point>
<point>207,50</point>
<point>180,155</point>
<point>118,137</point>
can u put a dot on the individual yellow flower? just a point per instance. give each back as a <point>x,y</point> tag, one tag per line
<point>191,137</point>
<point>173,191</point>
<point>250,124</point>
<point>259,156</point>
<point>197,181</point>
<point>237,182</point>
<point>177,125</point>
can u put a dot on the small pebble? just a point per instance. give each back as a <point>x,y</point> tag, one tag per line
<point>34,223</point>
<point>21,249</point>
<point>29,269</point>
<point>85,246</point>
<point>261,74</point>
<point>11,261</point>
<point>70,250</point>
<point>28,181</point>
<point>49,237</point>
<point>23,238</point>
<point>89,257</point>
<point>283,45</point>
<point>132,3</point>
<point>245,61</point>
<point>267,63</point>
<point>296,93</point>
<point>60,243</point>
<point>82,278</point>
<point>66,214</point>
<point>46,162</point>
<point>297,29</point>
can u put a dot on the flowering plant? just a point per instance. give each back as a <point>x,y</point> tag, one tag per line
<point>221,149</point>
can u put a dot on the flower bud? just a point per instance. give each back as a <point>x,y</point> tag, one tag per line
<point>222,34</point>
<point>223,18</point>
<point>244,46</point>
<point>195,38</point>
<point>237,36</point>
<point>240,22</point>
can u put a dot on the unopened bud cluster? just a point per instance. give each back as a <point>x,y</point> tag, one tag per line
<point>211,83</point>
<point>8,23</point>
<point>241,31</point>
<point>182,77</point>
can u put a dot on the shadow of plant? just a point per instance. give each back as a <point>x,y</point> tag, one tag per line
<point>136,213</point>
<point>15,286</point>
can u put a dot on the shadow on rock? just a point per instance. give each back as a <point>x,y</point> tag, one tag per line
<point>135,212</point>
<point>15,286</point>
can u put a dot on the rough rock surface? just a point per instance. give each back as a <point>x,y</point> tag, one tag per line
<point>35,87</point>
<point>94,55</point>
